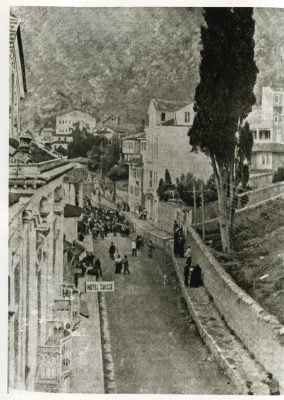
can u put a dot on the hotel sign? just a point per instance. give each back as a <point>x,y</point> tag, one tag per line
<point>99,286</point>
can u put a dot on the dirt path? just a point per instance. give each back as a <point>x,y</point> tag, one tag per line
<point>155,345</point>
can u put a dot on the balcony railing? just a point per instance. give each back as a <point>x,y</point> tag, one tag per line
<point>67,306</point>
<point>54,359</point>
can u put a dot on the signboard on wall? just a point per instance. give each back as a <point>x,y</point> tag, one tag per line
<point>99,286</point>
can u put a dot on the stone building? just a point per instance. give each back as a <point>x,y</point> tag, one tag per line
<point>267,126</point>
<point>133,148</point>
<point>65,122</point>
<point>43,306</point>
<point>17,76</point>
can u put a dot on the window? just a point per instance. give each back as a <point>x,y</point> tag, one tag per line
<point>264,134</point>
<point>187,116</point>
<point>163,116</point>
<point>143,146</point>
<point>254,134</point>
<point>276,99</point>
<point>150,178</point>
<point>265,159</point>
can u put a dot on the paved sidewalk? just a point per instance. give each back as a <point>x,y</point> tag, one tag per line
<point>87,375</point>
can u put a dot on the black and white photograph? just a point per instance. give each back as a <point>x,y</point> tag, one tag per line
<point>146,200</point>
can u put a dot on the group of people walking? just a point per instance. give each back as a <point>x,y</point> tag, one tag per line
<point>192,273</point>
<point>101,221</point>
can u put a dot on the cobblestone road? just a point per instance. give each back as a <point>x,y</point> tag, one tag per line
<point>155,345</point>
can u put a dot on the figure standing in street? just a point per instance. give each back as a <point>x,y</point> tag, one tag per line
<point>118,264</point>
<point>186,273</point>
<point>196,277</point>
<point>112,251</point>
<point>126,265</point>
<point>134,248</point>
<point>150,248</point>
<point>272,384</point>
<point>188,255</point>
<point>181,245</point>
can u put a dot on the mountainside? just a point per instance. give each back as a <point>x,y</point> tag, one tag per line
<point>114,60</point>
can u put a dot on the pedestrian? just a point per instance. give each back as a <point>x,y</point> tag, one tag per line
<point>196,277</point>
<point>150,249</point>
<point>102,231</point>
<point>112,250</point>
<point>188,255</point>
<point>176,242</point>
<point>126,265</point>
<point>145,214</point>
<point>181,245</point>
<point>134,248</point>
<point>186,272</point>
<point>118,264</point>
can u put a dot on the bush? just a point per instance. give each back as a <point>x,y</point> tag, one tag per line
<point>278,175</point>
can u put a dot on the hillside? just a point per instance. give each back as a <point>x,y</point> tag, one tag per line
<point>104,60</point>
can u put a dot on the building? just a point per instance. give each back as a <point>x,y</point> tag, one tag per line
<point>267,126</point>
<point>162,110</point>
<point>133,148</point>
<point>17,76</point>
<point>43,302</point>
<point>167,147</point>
<point>65,122</point>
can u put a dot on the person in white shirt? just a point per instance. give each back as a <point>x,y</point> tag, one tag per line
<point>134,248</point>
<point>188,255</point>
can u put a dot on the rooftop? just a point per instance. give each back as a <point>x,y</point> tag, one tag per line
<point>169,105</point>
<point>76,114</point>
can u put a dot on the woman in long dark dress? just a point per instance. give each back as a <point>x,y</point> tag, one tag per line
<point>196,277</point>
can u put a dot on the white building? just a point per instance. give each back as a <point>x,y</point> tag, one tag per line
<point>267,126</point>
<point>65,122</point>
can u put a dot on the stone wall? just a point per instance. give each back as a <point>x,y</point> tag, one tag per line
<point>260,332</point>
<point>264,193</point>
<point>169,212</point>
<point>257,181</point>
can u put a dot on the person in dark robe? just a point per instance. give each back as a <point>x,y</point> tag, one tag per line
<point>181,245</point>
<point>186,273</point>
<point>126,265</point>
<point>112,251</point>
<point>118,264</point>
<point>150,249</point>
<point>176,242</point>
<point>196,277</point>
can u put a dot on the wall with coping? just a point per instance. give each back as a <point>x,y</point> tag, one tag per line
<point>260,331</point>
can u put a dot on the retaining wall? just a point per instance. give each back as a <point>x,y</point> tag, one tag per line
<point>260,332</point>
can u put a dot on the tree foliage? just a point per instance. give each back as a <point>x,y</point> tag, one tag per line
<point>223,99</point>
<point>61,150</point>
<point>278,175</point>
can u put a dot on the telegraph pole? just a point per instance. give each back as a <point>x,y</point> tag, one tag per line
<point>194,205</point>
<point>202,211</point>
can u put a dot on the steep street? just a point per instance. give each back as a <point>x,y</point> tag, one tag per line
<point>155,345</point>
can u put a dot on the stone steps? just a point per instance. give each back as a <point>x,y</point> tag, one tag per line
<point>227,349</point>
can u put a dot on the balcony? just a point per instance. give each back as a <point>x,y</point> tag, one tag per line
<point>66,306</point>
<point>54,359</point>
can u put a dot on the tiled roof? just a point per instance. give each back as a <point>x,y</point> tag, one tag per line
<point>76,114</point>
<point>271,147</point>
<point>169,105</point>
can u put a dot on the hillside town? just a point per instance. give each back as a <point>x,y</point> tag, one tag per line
<point>119,277</point>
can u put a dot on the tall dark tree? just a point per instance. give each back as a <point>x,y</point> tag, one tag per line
<point>223,99</point>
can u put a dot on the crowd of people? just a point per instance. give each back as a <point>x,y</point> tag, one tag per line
<point>100,221</point>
